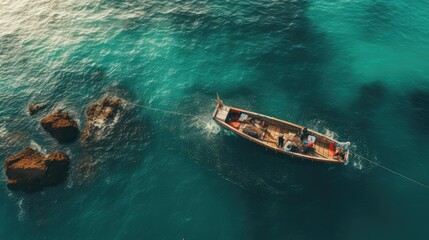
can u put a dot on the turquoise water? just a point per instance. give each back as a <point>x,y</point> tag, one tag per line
<point>354,70</point>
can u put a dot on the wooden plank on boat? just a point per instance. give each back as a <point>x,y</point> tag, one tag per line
<point>222,113</point>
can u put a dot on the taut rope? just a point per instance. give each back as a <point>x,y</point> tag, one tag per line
<point>393,171</point>
<point>166,111</point>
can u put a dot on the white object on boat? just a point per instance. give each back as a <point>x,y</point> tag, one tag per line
<point>243,117</point>
<point>311,138</point>
<point>288,146</point>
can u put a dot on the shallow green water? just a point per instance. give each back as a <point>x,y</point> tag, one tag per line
<point>354,70</point>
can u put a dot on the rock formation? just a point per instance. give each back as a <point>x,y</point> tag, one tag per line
<point>30,170</point>
<point>100,114</point>
<point>34,108</point>
<point>61,126</point>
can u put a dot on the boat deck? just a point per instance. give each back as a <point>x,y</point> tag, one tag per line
<point>273,132</point>
<point>266,130</point>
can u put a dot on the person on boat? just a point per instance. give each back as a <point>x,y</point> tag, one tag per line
<point>341,149</point>
<point>343,146</point>
<point>307,146</point>
<point>281,141</point>
<point>303,134</point>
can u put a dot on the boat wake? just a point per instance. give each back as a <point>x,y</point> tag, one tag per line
<point>207,126</point>
<point>330,134</point>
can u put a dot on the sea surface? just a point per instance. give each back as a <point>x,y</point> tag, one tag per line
<point>355,70</point>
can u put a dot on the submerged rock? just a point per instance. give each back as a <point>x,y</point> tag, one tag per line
<point>61,126</point>
<point>34,108</point>
<point>31,171</point>
<point>100,114</point>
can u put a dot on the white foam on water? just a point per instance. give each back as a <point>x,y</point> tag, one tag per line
<point>331,134</point>
<point>36,146</point>
<point>316,125</point>
<point>212,127</point>
<point>356,159</point>
<point>60,106</point>
<point>116,119</point>
<point>357,164</point>
<point>3,131</point>
<point>69,183</point>
<point>208,126</point>
<point>103,128</point>
<point>321,127</point>
<point>21,211</point>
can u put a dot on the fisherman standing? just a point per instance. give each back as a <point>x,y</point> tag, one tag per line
<point>281,141</point>
<point>303,134</point>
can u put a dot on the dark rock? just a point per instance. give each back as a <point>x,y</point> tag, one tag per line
<point>31,171</point>
<point>34,108</point>
<point>61,126</point>
<point>100,114</point>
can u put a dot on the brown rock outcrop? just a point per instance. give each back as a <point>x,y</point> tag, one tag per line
<point>100,114</point>
<point>61,126</point>
<point>34,108</point>
<point>30,170</point>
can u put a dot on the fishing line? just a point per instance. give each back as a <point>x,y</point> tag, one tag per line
<point>393,171</point>
<point>167,111</point>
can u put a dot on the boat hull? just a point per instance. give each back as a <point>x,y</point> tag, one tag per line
<point>272,145</point>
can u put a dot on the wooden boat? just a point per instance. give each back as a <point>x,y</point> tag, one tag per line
<point>265,131</point>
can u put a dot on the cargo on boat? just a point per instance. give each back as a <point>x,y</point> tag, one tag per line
<point>281,136</point>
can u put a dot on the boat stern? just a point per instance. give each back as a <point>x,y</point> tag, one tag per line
<point>221,111</point>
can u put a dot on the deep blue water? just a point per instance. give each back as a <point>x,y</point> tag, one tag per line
<point>356,70</point>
